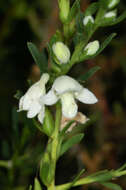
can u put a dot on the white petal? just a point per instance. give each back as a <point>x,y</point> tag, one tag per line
<point>26,102</point>
<point>41,114</point>
<point>34,109</point>
<point>69,106</point>
<point>65,84</point>
<point>49,99</point>
<point>44,79</point>
<point>86,96</point>
<point>35,91</point>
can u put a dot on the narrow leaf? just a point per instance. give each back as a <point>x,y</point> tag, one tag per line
<point>91,9</point>
<point>74,10</point>
<point>39,57</point>
<point>112,186</point>
<point>119,19</point>
<point>70,142</point>
<point>105,43</point>
<point>122,167</point>
<point>89,74</point>
<point>30,187</point>
<point>76,178</point>
<point>37,185</point>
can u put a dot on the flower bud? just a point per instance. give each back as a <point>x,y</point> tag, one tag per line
<point>110,14</point>
<point>88,19</point>
<point>92,47</point>
<point>64,6</point>
<point>48,124</point>
<point>61,52</point>
<point>112,3</point>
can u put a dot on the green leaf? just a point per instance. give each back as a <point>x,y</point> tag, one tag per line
<point>89,74</point>
<point>74,10</point>
<point>37,185</point>
<point>46,169</point>
<point>112,186</point>
<point>105,43</point>
<point>102,177</point>
<point>76,178</point>
<point>79,22</point>
<point>30,187</point>
<point>56,37</point>
<point>70,142</point>
<point>91,9</point>
<point>122,167</point>
<point>119,19</point>
<point>39,57</point>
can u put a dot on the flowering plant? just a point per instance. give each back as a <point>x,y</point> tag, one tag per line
<point>57,88</point>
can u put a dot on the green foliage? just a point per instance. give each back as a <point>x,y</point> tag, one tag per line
<point>89,74</point>
<point>74,10</point>
<point>37,185</point>
<point>92,8</point>
<point>112,186</point>
<point>48,124</point>
<point>39,57</point>
<point>30,187</point>
<point>46,172</point>
<point>70,142</point>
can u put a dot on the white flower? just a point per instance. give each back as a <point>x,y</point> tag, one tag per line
<point>92,47</point>
<point>67,90</point>
<point>87,19</point>
<point>61,51</point>
<point>112,3</point>
<point>30,102</point>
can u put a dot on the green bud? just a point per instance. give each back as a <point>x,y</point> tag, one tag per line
<point>112,3</point>
<point>88,19</point>
<point>48,124</point>
<point>64,6</point>
<point>61,52</point>
<point>92,47</point>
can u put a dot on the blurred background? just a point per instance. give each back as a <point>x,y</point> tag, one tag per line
<point>21,144</point>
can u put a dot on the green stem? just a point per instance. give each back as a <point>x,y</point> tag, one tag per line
<point>6,164</point>
<point>55,143</point>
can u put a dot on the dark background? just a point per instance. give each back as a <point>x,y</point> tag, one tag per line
<point>104,145</point>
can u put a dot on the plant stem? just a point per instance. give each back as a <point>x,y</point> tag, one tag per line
<point>55,143</point>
